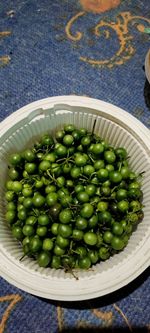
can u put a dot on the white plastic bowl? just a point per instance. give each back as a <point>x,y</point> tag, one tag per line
<point>120,129</point>
<point>147,66</point>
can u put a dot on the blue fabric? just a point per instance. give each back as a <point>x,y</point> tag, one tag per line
<point>50,48</point>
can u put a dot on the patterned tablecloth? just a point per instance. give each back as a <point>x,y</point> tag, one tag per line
<point>94,48</point>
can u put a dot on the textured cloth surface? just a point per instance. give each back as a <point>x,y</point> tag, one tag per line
<point>90,48</point>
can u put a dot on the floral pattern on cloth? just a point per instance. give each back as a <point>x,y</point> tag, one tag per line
<point>99,6</point>
<point>112,35</point>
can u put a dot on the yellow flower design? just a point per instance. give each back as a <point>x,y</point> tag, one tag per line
<point>13,300</point>
<point>4,60</point>
<point>121,26</point>
<point>99,6</point>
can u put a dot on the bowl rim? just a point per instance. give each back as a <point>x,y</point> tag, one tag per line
<point>13,274</point>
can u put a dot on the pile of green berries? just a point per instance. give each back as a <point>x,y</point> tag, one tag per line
<point>72,200</point>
